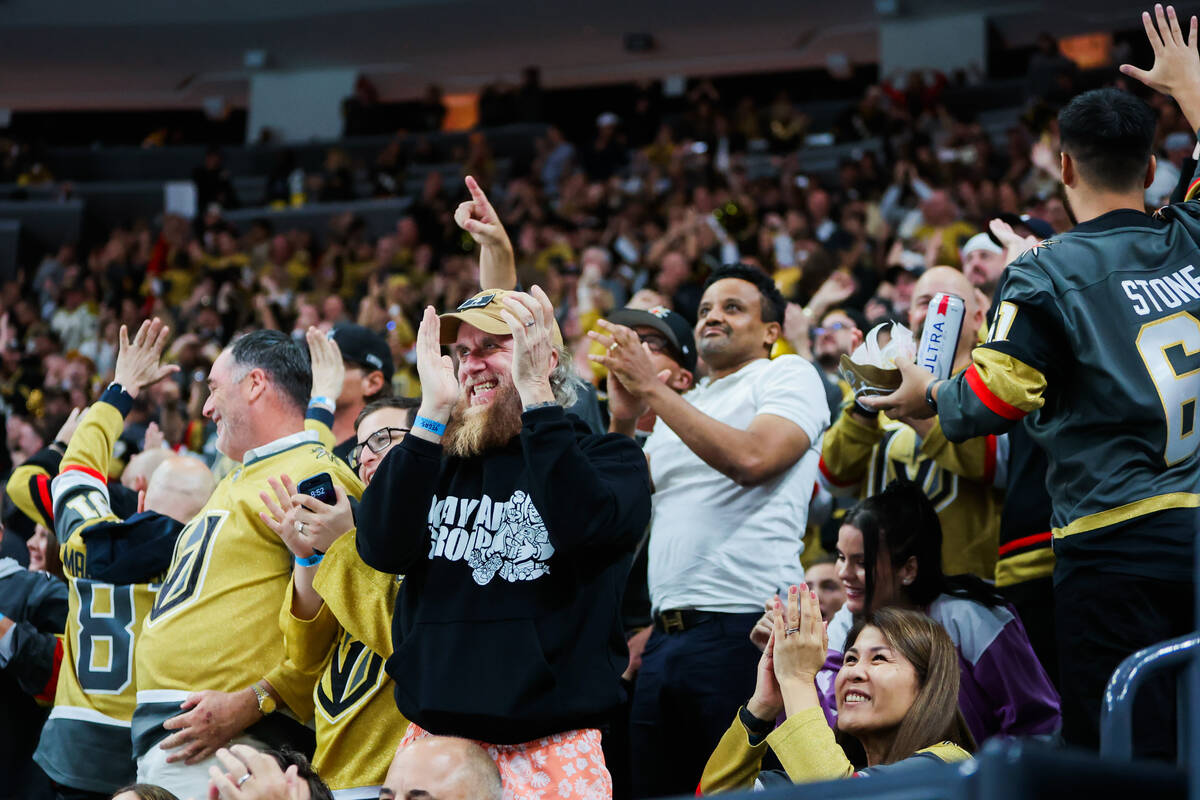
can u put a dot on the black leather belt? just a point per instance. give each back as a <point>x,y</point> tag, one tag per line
<point>677,620</point>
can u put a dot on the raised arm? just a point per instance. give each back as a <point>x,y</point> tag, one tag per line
<point>328,374</point>
<point>392,528</point>
<point>80,492</point>
<point>29,485</point>
<point>1176,68</point>
<point>497,264</point>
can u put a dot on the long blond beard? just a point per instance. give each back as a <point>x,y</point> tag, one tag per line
<point>473,429</point>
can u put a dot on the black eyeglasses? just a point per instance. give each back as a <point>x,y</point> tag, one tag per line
<point>378,441</point>
<point>656,342</point>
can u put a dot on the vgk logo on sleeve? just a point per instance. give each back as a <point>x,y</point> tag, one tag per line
<point>507,539</point>
<point>352,677</point>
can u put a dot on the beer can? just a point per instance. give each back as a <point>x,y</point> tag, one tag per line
<point>939,339</point>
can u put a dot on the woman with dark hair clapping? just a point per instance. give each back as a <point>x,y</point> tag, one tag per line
<point>897,698</point>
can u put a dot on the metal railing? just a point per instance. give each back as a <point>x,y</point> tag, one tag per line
<point>1116,715</point>
<point>1180,655</point>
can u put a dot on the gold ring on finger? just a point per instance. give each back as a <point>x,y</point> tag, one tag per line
<point>613,346</point>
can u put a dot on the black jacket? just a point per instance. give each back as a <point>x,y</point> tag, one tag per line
<point>508,627</point>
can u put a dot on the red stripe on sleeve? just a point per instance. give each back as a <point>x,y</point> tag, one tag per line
<point>1191,188</point>
<point>829,476</point>
<point>1024,541</point>
<point>994,403</point>
<point>95,473</point>
<point>43,487</point>
<point>989,460</point>
<point>51,687</point>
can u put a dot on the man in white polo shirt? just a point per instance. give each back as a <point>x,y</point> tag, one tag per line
<point>734,463</point>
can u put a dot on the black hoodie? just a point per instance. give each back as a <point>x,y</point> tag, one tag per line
<point>507,628</point>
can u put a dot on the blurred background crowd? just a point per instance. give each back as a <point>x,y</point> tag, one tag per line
<point>844,202</point>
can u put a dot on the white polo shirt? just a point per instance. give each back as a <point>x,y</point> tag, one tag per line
<point>718,546</point>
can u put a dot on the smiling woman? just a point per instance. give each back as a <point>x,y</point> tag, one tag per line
<point>897,702</point>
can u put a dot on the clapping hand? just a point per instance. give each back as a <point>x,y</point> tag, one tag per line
<point>800,640</point>
<point>439,385</point>
<point>328,369</point>
<point>138,360</point>
<point>530,317</point>
<point>760,634</point>
<point>628,358</point>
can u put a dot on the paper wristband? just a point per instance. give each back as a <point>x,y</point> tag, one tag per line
<point>430,425</point>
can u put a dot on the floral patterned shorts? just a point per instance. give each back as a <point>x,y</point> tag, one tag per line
<point>565,766</point>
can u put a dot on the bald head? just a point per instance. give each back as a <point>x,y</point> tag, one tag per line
<point>141,466</point>
<point>951,281</point>
<point>442,768</point>
<point>179,487</point>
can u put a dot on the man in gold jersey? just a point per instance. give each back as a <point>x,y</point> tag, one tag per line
<point>113,566</point>
<point>211,667</point>
<point>338,615</point>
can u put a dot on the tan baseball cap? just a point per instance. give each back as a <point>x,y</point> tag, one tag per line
<point>483,312</point>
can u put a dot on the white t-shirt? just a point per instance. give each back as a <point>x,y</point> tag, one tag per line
<point>718,546</point>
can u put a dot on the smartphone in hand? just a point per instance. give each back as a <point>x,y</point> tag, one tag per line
<point>319,486</point>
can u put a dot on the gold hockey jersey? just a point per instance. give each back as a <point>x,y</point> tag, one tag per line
<point>214,624</point>
<point>350,638</point>
<point>86,741</point>
<point>961,480</point>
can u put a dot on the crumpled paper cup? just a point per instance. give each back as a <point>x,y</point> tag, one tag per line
<point>871,368</point>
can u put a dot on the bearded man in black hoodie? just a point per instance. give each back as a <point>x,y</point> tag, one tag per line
<point>514,528</point>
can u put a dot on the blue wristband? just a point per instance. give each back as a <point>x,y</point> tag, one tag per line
<point>322,401</point>
<point>425,423</point>
<point>311,561</point>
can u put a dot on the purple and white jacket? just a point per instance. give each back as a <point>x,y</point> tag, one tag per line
<point>1004,691</point>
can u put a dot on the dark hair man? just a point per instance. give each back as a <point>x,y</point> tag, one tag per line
<point>1094,347</point>
<point>514,528</point>
<point>734,462</point>
<point>229,565</point>
<point>669,340</point>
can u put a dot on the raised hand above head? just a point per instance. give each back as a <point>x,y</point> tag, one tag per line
<point>477,217</point>
<point>138,360</point>
<point>328,369</point>
<point>1176,68</point>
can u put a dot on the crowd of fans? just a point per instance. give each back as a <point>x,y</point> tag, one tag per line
<point>452,619</point>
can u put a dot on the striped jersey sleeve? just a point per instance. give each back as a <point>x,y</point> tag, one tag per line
<point>1006,380</point>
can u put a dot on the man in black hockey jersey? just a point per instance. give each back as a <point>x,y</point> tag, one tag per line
<point>514,528</point>
<point>1096,346</point>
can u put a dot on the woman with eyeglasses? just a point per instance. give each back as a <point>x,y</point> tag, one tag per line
<point>338,614</point>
